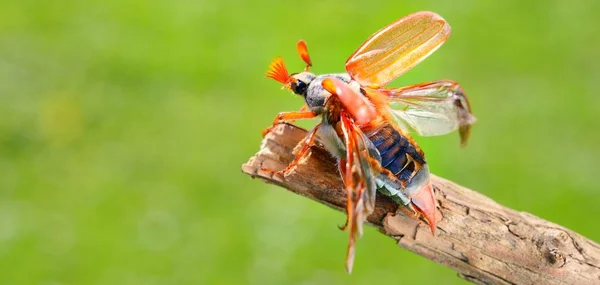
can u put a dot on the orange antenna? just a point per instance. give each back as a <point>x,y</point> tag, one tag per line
<point>303,52</point>
<point>278,71</point>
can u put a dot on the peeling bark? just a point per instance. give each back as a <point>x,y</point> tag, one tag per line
<point>486,243</point>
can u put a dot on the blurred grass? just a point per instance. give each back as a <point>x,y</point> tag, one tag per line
<point>125,124</point>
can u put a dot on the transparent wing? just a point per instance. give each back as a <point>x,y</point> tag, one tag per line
<point>431,109</point>
<point>397,48</point>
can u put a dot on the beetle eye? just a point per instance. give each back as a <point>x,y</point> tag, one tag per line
<point>299,87</point>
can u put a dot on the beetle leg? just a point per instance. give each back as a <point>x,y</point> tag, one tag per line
<point>287,116</point>
<point>308,142</point>
<point>303,108</point>
<point>345,226</point>
<point>342,166</point>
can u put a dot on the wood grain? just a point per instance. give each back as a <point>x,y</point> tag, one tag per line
<point>485,242</point>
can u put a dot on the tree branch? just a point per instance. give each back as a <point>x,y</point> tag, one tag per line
<point>486,243</point>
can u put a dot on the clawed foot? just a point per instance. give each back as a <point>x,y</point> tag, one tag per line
<point>343,228</point>
<point>266,131</point>
<point>283,173</point>
<point>409,211</point>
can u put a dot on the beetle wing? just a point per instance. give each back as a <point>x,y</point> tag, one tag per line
<point>397,48</point>
<point>359,180</point>
<point>431,109</point>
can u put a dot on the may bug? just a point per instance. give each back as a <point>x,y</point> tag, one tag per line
<point>365,125</point>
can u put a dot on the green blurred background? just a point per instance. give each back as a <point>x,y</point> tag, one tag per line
<point>124,125</point>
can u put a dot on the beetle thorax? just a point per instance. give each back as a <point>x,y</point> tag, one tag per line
<point>316,95</point>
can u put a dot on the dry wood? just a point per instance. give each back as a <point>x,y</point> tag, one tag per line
<point>486,243</point>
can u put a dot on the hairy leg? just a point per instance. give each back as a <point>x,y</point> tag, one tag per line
<point>289,116</point>
<point>307,143</point>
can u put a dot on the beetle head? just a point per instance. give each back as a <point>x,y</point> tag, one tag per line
<point>296,82</point>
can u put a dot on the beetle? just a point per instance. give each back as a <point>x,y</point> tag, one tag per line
<point>366,126</point>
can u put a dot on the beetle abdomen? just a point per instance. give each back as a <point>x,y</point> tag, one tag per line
<point>398,155</point>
